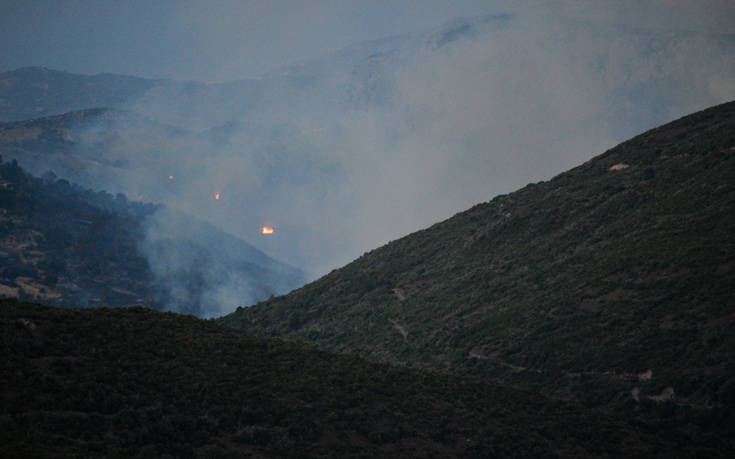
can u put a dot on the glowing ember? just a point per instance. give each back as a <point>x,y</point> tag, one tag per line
<point>267,230</point>
<point>170,177</point>
<point>216,196</point>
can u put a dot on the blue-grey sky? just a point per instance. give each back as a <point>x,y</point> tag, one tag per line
<point>219,40</point>
<point>205,40</point>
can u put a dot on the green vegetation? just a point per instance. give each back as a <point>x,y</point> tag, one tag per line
<point>134,382</point>
<point>610,285</point>
<point>64,245</point>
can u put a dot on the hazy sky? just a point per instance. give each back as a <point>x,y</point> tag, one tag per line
<point>207,40</point>
<point>221,40</point>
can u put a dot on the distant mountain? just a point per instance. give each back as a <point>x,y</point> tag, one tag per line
<point>124,152</point>
<point>69,246</point>
<point>134,382</point>
<point>35,92</point>
<point>447,116</point>
<point>92,148</point>
<point>610,285</point>
<point>631,63</point>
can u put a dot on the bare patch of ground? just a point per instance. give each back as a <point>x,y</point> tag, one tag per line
<point>123,291</point>
<point>8,292</point>
<point>400,329</point>
<point>399,293</point>
<point>36,290</point>
<point>665,395</point>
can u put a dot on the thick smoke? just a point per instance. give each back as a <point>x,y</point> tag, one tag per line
<point>199,270</point>
<point>344,153</point>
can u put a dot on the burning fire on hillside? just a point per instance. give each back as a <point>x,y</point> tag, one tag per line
<point>267,230</point>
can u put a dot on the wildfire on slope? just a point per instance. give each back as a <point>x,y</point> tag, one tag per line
<point>267,230</point>
<point>217,196</point>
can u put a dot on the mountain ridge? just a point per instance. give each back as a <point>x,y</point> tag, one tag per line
<point>34,92</point>
<point>608,285</point>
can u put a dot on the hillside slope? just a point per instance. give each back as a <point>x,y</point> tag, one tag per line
<point>65,245</point>
<point>324,128</point>
<point>125,382</point>
<point>92,148</point>
<point>33,92</point>
<point>610,284</point>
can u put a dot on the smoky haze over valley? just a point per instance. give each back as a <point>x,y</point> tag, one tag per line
<point>344,126</point>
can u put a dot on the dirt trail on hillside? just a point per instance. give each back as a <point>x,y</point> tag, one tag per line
<point>400,329</point>
<point>494,358</point>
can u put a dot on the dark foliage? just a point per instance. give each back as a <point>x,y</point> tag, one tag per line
<point>69,246</point>
<point>134,382</point>
<point>610,285</point>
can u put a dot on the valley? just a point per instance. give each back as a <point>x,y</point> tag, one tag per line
<point>349,229</point>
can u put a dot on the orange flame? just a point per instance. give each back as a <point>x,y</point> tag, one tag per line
<point>267,230</point>
<point>216,196</point>
<point>170,177</point>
